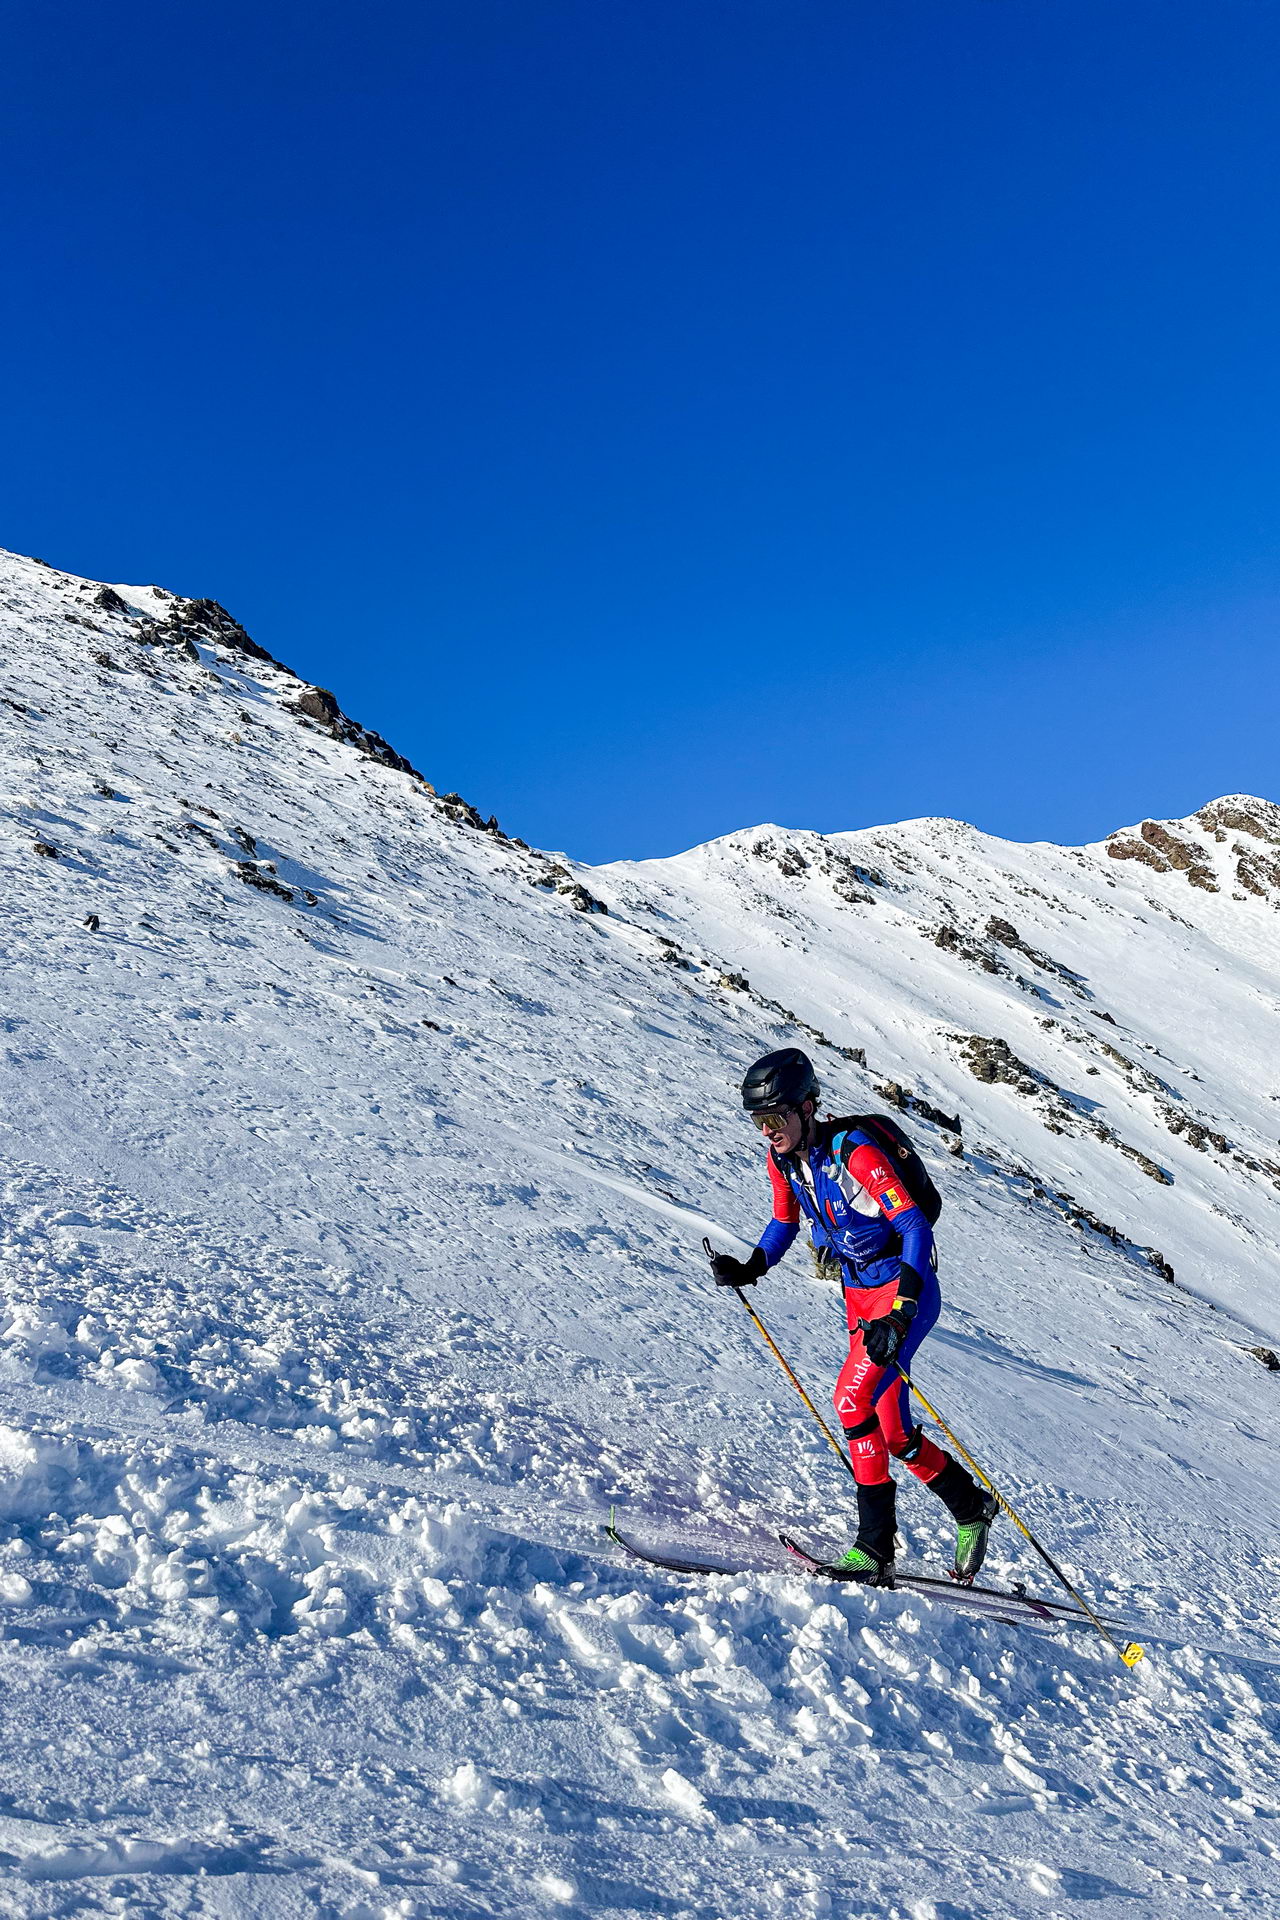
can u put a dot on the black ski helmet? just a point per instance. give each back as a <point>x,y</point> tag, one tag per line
<point>782,1079</point>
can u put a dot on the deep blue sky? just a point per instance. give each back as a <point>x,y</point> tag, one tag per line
<point>662,416</point>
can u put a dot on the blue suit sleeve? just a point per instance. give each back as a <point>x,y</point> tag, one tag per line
<point>776,1238</point>
<point>917,1244</point>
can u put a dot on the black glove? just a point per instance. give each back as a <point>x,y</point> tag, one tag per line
<point>883,1338</point>
<point>738,1273</point>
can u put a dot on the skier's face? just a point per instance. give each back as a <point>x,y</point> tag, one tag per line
<point>782,1129</point>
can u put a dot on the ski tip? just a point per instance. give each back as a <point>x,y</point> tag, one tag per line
<point>1132,1654</point>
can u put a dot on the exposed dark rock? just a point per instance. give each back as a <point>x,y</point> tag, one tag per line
<point>949,1122</point>
<point>1008,936</point>
<point>214,624</point>
<point>1083,1218</point>
<point>1136,1075</point>
<point>786,859</point>
<point>1165,852</point>
<point>46,850</point>
<point>108,599</point>
<point>104,660</point>
<point>456,808</point>
<point>1269,1360</point>
<point>92,922</point>
<point>905,1101</point>
<point>198,827</point>
<point>1176,852</point>
<point>849,881</point>
<point>255,877</point>
<point>1193,1131</point>
<point>994,1060</point>
<point>558,879</point>
<point>733,982</point>
<point>583,901</point>
<point>1150,1167</point>
<point>319,704</point>
<point>951,940</point>
<point>104,792</point>
<point>1261,819</point>
<point>1257,872</point>
<point>1123,849</point>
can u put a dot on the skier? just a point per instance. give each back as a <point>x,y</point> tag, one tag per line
<point>840,1178</point>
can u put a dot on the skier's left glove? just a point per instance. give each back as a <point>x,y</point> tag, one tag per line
<point>739,1273</point>
<point>883,1338</point>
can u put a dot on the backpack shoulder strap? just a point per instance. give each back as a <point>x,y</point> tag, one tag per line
<point>849,1130</point>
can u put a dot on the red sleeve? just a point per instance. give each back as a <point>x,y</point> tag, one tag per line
<point>869,1165</point>
<point>785,1205</point>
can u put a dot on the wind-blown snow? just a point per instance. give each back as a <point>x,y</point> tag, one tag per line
<point>353,1177</point>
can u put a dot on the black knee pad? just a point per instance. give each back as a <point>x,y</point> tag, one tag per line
<point>863,1427</point>
<point>911,1449</point>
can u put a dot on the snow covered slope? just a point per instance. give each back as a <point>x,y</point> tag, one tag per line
<point>355,1164</point>
<point>1108,1017</point>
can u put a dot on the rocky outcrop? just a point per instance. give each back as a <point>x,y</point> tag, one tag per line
<point>558,879</point>
<point>850,882</point>
<point>993,1061</point>
<point>189,623</point>
<point>1257,872</point>
<point>1164,852</point>
<point>318,707</point>
<point>1261,818</point>
<point>1084,1220</point>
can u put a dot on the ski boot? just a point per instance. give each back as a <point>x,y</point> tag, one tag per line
<point>863,1568</point>
<point>972,1510</point>
<point>971,1541</point>
<point>869,1560</point>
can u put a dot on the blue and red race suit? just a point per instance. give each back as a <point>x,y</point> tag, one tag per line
<point>846,1186</point>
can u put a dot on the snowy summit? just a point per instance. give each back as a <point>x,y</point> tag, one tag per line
<point>356,1163</point>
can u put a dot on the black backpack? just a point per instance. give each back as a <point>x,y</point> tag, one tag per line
<point>900,1153</point>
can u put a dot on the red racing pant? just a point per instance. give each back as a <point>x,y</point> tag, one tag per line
<point>873,1402</point>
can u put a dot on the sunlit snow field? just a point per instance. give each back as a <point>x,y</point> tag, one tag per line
<point>350,1254</point>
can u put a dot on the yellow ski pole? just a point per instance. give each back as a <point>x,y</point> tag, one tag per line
<point>769,1341</point>
<point>1130,1653</point>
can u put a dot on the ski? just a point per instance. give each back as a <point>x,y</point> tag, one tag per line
<point>664,1560</point>
<point>985,1602</point>
<point>928,1583</point>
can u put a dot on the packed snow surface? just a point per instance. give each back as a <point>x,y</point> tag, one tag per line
<point>354,1168</point>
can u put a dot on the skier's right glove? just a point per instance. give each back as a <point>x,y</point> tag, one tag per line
<point>738,1273</point>
<point>882,1338</point>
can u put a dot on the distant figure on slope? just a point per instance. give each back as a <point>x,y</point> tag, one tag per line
<point>839,1175</point>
